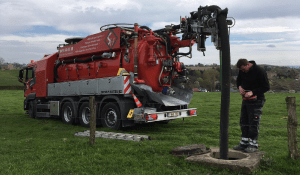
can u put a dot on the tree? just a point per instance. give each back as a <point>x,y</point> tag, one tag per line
<point>293,74</point>
<point>200,65</point>
<point>197,73</point>
<point>1,60</point>
<point>234,71</point>
<point>209,79</point>
<point>17,65</point>
<point>214,65</point>
<point>199,79</point>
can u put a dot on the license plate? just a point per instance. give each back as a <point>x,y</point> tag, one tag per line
<point>173,114</point>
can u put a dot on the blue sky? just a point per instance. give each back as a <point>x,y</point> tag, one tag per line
<point>265,31</point>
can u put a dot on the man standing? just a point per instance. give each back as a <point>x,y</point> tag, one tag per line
<point>252,82</point>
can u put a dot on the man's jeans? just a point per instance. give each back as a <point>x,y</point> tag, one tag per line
<point>249,120</point>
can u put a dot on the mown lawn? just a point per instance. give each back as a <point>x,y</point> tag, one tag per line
<point>47,146</point>
<point>10,78</point>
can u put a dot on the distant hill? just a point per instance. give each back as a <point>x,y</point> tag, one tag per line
<point>199,68</point>
<point>280,77</point>
<point>297,67</point>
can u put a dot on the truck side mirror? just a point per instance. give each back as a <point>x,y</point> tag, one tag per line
<point>21,75</point>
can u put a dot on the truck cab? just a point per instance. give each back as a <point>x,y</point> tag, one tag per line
<point>29,80</point>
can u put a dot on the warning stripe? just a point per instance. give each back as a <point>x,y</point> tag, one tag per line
<point>127,87</point>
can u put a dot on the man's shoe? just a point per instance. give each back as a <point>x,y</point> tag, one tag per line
<point>251,149</point>
<point>240,147</point>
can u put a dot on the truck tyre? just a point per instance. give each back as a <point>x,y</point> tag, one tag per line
<point>84,114</point>
<point>67,113</point>
<point>111,116</point>
<point>32,109</point>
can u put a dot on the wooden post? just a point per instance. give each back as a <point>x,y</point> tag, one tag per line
<point>292,127</point>
<point>92,120</point>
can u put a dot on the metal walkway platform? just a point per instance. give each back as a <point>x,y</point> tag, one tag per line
<point>113,135</point>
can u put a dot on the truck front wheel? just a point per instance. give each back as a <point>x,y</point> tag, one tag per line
<point>32,109</point>
<point>111,116</point>
<point>84,115</point>
<point>68,113</point>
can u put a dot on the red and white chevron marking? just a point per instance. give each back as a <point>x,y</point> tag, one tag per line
<point>127,87</point>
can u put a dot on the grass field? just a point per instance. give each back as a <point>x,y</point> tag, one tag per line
<point>10,78</point>
<point>47,146</point>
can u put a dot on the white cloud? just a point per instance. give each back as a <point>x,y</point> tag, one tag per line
<point>258,24</point>
<point>22,49</point>
<point>160,25</point>
<point>22,15</point>
<point>285,53</point>
<point>264,30</point>
<point>34,38</point>
<point>258,41</point>
<point>279,55</point>
<point>266,25</point>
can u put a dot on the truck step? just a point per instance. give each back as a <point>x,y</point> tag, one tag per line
<point>43,106</point>
<point>113,135</point>
<point>43,114</point>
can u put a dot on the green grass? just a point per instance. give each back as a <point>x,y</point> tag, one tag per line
<point>47,146</point>
<point>10,78</point>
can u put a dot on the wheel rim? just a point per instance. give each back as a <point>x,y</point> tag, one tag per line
<point>86,115</point>
<point>110,117</point>
<point>68,114</point>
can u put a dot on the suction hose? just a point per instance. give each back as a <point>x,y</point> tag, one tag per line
<point>225,92</point>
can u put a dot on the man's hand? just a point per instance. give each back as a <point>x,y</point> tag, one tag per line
<point>242,91</point>
<point>249,94</point>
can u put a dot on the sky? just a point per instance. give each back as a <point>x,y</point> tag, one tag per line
<point>266,31</point>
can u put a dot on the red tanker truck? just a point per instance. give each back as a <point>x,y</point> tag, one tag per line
<point>133,72</point>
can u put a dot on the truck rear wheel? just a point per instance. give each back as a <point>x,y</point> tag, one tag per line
<point>111,116</point>
<point>84,115</point>
<point>68,113</point>
<point>32,109</point>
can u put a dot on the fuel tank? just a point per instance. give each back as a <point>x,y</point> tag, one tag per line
<point>142,52</point>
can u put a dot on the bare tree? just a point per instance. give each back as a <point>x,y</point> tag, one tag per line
<point>1,60</point>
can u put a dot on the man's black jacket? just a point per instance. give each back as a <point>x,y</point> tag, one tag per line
<point>255,80</point>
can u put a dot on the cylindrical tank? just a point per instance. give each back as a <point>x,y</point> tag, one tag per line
<point>155,67</point>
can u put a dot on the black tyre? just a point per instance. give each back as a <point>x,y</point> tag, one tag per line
<point>32,109</point>
<point>68,113</point>
<point>84,114</point>
<point>111,116</point>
